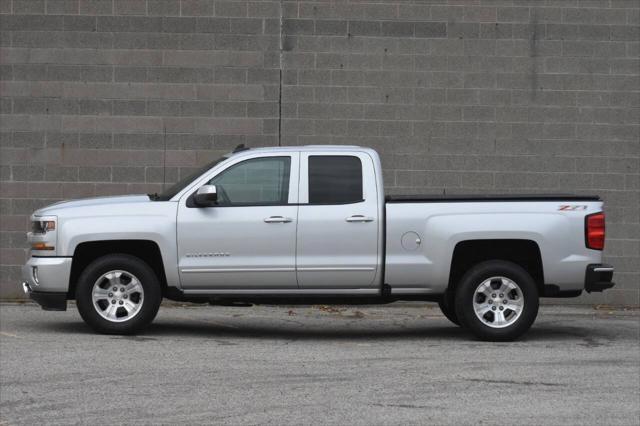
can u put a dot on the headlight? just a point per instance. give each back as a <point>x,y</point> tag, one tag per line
<point>43,235</point>
<point>43,226</point>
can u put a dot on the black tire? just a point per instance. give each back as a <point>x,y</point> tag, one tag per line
<point>466,292</point>
<point>130,264</point>
<point>446,306</point>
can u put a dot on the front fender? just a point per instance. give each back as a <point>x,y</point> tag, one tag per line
<point>159,229</point>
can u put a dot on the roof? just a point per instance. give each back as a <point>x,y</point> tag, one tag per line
<point>305,148</point>
<point>310,148</point>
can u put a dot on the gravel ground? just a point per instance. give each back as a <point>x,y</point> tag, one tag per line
<point>395,364</point>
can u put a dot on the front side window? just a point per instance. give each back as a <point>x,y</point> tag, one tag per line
<point>170,192</point>
<point>259,181</point>
<point>335,179</point>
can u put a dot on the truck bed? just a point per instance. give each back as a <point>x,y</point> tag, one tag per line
<point>435,198</point>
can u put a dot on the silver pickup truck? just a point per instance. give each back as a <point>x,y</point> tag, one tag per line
<point>310,224</point>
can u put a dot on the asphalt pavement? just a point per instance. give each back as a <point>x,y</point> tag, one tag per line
<point>361,365</point>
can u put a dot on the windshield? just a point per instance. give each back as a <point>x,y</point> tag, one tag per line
<point>169,193</point>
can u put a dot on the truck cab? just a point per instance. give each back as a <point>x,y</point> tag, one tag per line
<point>284,219</point>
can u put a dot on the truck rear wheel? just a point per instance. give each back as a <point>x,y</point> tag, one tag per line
<point>118,294</point>
<point>497,300</point>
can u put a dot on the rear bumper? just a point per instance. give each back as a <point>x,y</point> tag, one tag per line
<point>49,301</point>
<point>598,277</point>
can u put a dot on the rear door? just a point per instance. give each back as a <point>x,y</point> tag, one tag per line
<point>337,238</point>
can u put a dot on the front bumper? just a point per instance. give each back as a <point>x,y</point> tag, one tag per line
<point>49,301</point>
<point>47,273</point>
<point>598,277</point>
<point>46,281</point>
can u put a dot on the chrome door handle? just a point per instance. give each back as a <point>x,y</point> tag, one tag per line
<point>359,218</point>
<point>278,219</point>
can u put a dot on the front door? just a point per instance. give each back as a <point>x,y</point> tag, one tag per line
<point>338,221</point>
<point>246,241</point>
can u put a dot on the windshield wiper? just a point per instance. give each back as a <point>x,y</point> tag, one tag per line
<point>154,196</point>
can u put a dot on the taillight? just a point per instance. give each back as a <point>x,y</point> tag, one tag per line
<point>594,231</point>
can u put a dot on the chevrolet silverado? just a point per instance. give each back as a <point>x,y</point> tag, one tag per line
<point>309,224</point>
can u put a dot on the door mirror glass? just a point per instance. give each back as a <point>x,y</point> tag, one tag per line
<point>206,196</point>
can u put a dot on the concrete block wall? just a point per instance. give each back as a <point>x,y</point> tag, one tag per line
<point>457,96</point>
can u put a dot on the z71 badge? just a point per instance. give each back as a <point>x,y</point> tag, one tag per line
<point>572,208</point>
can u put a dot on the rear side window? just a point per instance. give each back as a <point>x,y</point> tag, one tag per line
<point>335,179</point>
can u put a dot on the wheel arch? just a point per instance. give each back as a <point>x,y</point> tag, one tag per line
<point>523,252</point>
<point>87,252</point>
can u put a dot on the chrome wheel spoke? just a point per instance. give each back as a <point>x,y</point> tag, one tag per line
<point>114,277</point>
<point>507,287</point>
<point>485,289</point>
<point>132,288</point>
<point>499,318</point>
<point>100,294</point>
<point>482,309</point>
<point>513,307</point>
<point>110,312</point>
<point>129,306</point>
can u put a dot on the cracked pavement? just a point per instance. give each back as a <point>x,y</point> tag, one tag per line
<point>402,363</point>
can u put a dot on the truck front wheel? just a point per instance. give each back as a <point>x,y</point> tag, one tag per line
<point>497,300</point>
<point>447,307</point>
<point>118,294</point>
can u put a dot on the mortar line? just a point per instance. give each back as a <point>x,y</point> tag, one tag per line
<point>280,82</point>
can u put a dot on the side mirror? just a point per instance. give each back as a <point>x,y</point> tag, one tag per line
<point>206,196</point>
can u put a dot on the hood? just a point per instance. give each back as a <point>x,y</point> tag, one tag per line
<point>61,206</point>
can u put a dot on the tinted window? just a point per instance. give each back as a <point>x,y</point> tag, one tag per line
<point>257,181</point>
<point>335,179</point>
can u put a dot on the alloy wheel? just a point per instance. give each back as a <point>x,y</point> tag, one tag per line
<point>498,302</point>
<point>117,296</point>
